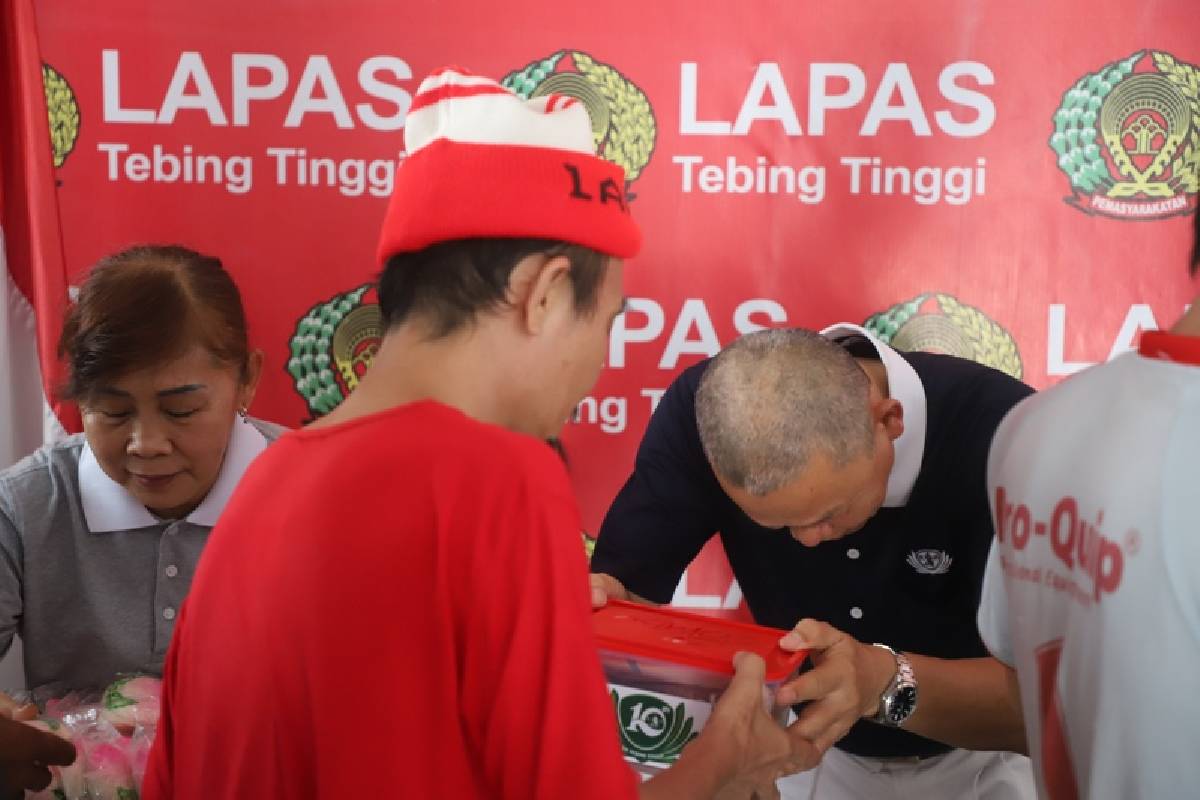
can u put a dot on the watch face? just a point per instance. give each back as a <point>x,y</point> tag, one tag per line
<point>902,705</point>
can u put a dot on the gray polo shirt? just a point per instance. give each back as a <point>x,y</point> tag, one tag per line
<point>89,578</point>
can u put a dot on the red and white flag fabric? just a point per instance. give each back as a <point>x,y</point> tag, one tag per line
<point>33,277</point>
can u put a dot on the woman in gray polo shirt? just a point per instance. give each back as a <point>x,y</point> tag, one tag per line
<point>100,533</point>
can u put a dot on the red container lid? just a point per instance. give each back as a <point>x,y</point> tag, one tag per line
<point>693,640</point>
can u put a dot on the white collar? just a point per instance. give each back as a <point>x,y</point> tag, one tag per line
<point>108,506</point>
<point>904,385</point>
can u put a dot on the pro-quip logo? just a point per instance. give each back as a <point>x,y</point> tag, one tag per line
<point>1078,543</point>
<point>1127,137</point>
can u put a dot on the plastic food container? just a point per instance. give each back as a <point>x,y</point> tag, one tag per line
<point>666,669</point>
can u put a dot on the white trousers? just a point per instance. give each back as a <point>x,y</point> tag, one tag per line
<point>957,775</point>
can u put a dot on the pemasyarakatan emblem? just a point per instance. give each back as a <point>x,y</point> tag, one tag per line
<point>941,323</point>
<point>1127,137</point>
<point>332,348</point>
<point>623,125</point>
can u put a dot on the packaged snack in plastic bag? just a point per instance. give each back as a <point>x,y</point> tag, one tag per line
<point>139,752</point>
<point>58,706</point>
<point>112,731</point>
<point>18,706</point>
<point>131,701</point>
<point>107,771</point>
<point>104,758</point>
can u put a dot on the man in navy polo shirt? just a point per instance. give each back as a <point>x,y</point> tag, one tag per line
<point>874,462</point>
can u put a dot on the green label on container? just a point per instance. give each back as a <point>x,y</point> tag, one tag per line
<point>655,727</point>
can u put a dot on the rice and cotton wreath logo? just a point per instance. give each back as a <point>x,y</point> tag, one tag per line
<point>1128,138</point>
<point>941,323</point>
<point>623,126</point>
<point>333,347</point>
<point>63,111</point>
<point>334,344</point>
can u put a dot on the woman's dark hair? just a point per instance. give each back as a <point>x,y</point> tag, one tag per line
<point>144,306</point>
<point>447,284</point>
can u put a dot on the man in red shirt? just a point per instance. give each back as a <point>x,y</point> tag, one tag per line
<point>395,602</point>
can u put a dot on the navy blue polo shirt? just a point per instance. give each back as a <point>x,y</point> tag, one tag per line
<point>910,578</point>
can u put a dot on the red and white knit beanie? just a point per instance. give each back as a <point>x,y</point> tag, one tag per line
<point>483,163</point>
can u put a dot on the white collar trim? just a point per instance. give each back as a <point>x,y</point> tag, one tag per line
<point>108,506</point>
<point>905,386</point>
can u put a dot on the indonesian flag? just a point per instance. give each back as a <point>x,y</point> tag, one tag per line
<point>33,278</point>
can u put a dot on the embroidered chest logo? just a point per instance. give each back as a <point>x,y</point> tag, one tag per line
<point>930,562</point>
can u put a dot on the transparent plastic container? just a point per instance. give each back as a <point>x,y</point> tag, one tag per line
<point>666,668</point>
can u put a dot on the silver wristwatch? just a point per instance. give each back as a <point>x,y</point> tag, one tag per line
<point>899,699</point>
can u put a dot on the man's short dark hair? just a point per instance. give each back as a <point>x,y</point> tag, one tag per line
<point>449,283</point>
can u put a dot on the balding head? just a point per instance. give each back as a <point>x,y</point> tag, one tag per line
<point>773,399</point>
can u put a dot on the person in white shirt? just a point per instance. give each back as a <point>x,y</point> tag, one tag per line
<point>1092,590</point>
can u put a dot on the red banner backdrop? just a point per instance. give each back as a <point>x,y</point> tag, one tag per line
<point>1002,179</point>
